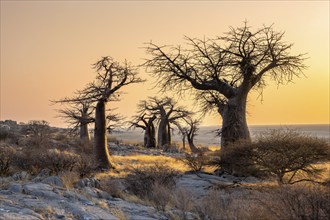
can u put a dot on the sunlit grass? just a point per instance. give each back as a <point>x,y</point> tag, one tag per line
<point>214,148</point>
<point>124,164</point>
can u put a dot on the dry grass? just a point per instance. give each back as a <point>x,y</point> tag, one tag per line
<point>69,178</point>
<point>125,163</point>
<point>118,213</point>
<point>214,148</point>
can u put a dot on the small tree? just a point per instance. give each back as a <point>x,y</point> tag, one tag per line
<point>147,124</point>
<point>188,131</point>
<point>167,111</point>
<point>79,114</point>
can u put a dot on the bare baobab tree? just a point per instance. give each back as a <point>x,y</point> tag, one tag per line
<point>222,71</point>
<point>147,124</point>
<point>111,76</point>
<point>189,131</point>
<point>114,121</point>
<point>167,111</point>
<point>78,115</point>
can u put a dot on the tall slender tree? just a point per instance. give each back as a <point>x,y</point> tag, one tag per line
<point>111,77</point>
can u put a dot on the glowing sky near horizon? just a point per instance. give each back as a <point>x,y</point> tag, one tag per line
<point>47,48</point>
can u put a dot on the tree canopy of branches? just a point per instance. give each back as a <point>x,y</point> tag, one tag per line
<point>221,72</point>
<point>167,111</point>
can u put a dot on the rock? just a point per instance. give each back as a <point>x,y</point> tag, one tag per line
<point>41,190</point>
<point>96,193</point>
<point>15,187</point>
<point>74,196</point>
<point>21,176</point>
<point>54,181</point>
<point>135,211</point>
<point>44,173</point>
<point>13,211</point>
<point>88,182</point>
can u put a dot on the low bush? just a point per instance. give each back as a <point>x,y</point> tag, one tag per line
<point>58,161</point>
<point>113,186</point>
<point>299,201</point>
<point>5,160</point>
<point>286,154</point>
<point>196,162</point>
<point>34,160</point>
<point>160,195</point>
<point>183,200</point>
<point>86,165</point>
<point>141,180</point>
<point>25,159</point>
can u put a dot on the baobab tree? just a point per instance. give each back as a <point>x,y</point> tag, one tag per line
<point>188,130</point>
<point>167,111</point>
<point>78,114</point>
<point>222,71</point>
<point>147,124</point>
<point>111,76</point>
<point>114,120</point>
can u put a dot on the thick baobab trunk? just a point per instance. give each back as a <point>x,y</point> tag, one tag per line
<point>152,136</point>
<point>234,125</point>
<point>100,137</point>
<point>149,137</point>
<point>163,135</point>
<point>84,134</point>
<point>149,133</point>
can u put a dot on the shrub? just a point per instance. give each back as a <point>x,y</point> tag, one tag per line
<point>183,200</point>
<point>39,132</point>
<point>69,178</point>
<point>58,161</point>
<point>298,202</point>
<point>27,160</point>
<point>86,165</point>
<point>239,160</point>
<point>160,195</point>
<point>282,202</point>
<point>113,186</point>
<point>196,162</point>
<point>5,160</point>
<point>285,154</point>
<point>33,160</point>
<point>4,132</point>
<point>141,180</point>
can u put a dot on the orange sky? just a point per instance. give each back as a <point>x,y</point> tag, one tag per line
<point>47,49</point>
